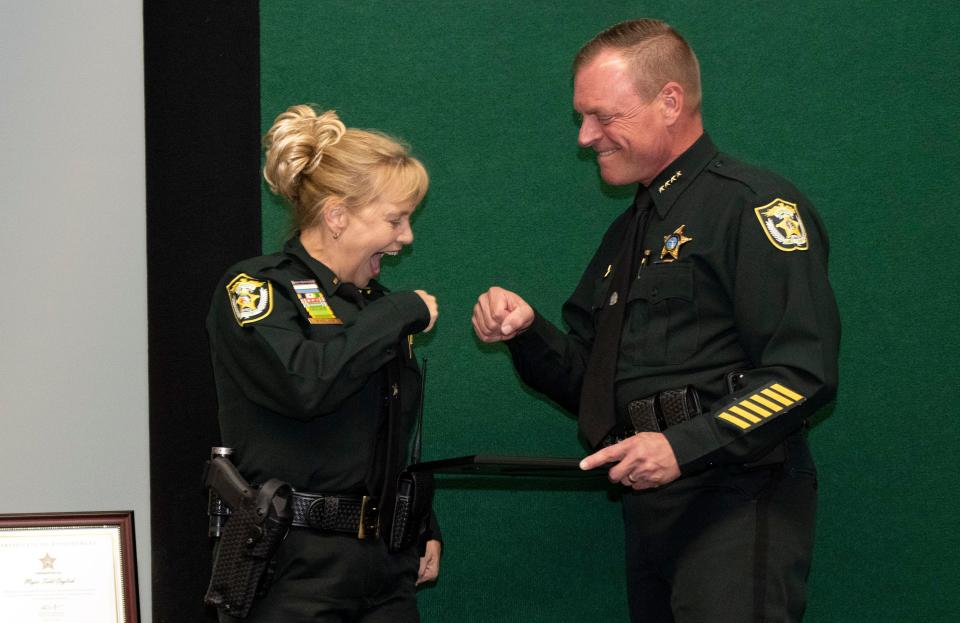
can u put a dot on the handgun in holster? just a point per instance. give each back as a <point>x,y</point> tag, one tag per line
<point>257,523</point>
<point>413,502</point>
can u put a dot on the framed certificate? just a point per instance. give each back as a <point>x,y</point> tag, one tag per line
<point>68,568</point>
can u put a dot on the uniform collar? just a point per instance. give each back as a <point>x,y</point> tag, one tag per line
<point>667,187</point>
<point>325,277</point>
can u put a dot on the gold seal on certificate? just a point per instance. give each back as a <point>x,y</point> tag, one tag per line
<point>67,568</point>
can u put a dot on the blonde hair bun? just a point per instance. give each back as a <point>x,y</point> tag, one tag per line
<point>311,157</point>
<point>295,145</point>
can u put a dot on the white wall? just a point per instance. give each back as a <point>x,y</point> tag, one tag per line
<point>73,300</point>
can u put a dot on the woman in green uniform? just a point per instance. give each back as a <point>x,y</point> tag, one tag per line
<point>316,377</point>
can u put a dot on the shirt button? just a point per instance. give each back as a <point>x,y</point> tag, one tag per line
<point>655,292</point>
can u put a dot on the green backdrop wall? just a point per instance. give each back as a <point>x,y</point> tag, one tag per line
<point>856,102</point>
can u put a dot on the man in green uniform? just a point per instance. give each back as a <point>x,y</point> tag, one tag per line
<point>702,335</point>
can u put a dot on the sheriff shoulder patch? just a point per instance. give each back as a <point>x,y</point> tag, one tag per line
<point>251,299</point>
<point>782,225</point>
<point>770,401</point>
<point>312,299</point>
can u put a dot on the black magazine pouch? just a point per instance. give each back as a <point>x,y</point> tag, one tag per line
<point>414,499</point>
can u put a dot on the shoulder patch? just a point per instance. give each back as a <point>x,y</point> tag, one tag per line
<point>768,402</point>
<point>250,299</point>
<point>781,223</point>
<point>312,299</point>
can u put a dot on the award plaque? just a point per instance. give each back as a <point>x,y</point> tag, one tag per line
<point>68,568</point>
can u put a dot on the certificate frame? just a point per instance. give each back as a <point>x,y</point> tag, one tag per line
<point>115,531</point>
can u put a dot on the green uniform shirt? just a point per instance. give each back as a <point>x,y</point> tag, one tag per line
<point>736,281</point>
<point>301,375</point>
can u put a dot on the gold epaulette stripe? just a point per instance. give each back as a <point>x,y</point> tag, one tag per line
<point>767,403</point>
<point>744,414</point>
<point>786,392</point>
<point>784,401</point>
<point>774,407</point>
<point>734,420</point>
<point>755,408</point>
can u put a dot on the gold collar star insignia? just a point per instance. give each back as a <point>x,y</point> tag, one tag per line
<point>673,178</point>
<point>672,244</point>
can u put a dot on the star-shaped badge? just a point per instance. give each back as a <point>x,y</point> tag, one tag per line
<point>790,227</point>
<point>47,561</point>
<point>672,244</point>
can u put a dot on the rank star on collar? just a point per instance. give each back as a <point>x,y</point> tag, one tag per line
<point>673,178</point>
<point>672,243</point>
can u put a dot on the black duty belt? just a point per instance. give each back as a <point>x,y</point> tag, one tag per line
<point>358,515</point>
<point>656,413</point>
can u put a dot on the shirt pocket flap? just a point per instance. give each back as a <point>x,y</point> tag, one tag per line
<point>659,282</point>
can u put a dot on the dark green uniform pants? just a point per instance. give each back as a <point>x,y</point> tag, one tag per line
<point>324,578</point>
<point>724,546</point>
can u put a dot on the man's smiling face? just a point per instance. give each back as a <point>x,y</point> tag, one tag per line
<point>628,133</point>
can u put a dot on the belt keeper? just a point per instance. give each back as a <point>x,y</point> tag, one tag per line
<point>322,510</point>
